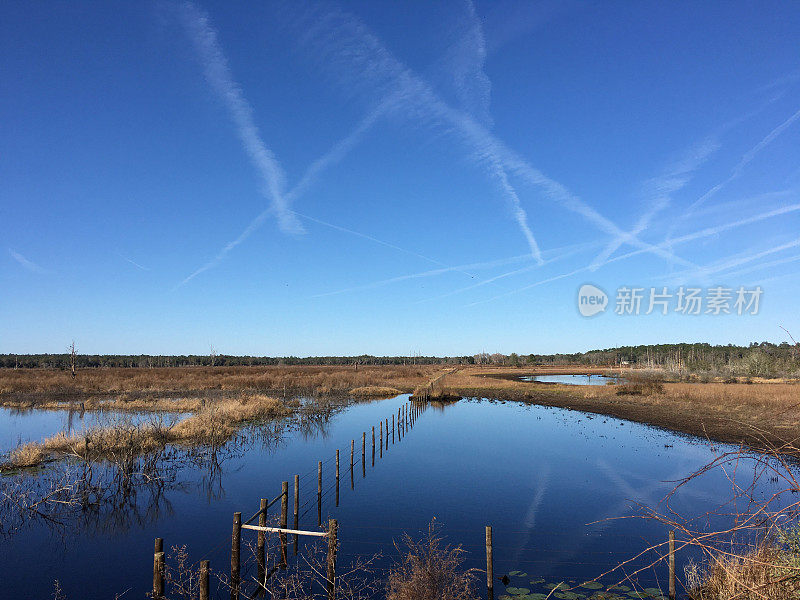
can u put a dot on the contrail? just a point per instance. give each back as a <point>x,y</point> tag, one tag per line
<point>737,170</point>
<point>430,273</point>
<point>343,147</point>
<point>27,264</point>
<point>348,43</point>
<point>704,272</point>
<point>569,251</point>
<point>660,190</point>
<point>703,233</point>
<point>766,265</point>
<point>219,76</point>
<point>135,264</point>
<point>371,239</point>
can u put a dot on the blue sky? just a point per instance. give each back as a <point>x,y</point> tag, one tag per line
<point>389,178</point>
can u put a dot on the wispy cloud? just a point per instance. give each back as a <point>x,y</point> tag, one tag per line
<point>134,263</point>
<point>430,273</point>
<point>658,194</point>
<point>27,264</point>
<point>396,97</point>
<point>351,52</point>
<point>704,273</point>
<point>219,76</point>
<point>736,172</point>
<point>703,233</point>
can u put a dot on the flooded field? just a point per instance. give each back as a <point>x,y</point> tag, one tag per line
<point>555,485</point>
<point>573,379</point>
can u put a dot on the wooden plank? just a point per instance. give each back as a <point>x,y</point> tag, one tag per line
<point>284,530</point>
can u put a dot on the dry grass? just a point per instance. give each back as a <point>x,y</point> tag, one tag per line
<point>29,387</point>
<point>429,570</point>
<point>753,413</point>
<point>767,572</point>
<point>374,391</point>
<point>211,424</point>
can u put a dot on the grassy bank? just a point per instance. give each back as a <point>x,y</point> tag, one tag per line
<point>756,414</point>
<point>211,424</point>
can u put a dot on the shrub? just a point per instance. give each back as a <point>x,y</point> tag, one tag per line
<point>430,571</point>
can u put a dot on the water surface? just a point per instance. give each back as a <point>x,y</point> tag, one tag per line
<point>555,485</point>
<point>572,379</point>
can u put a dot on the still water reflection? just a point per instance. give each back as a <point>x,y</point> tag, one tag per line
<point>553,484</point>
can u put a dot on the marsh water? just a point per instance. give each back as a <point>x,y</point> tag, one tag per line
<point>555,485</point>
<point>572,379</point>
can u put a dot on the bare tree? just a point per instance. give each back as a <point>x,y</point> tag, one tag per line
<point>72,357</point>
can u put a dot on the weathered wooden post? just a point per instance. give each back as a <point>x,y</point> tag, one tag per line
<point>158,569</point>
<point>489,565</point>
<point>337,477</point>
<point>352,454</point>
<point>387,434</point>
<point>672,565</point>
<point>319,494</point>
<point>381,439</point>
<point>373,445</point>
<point>284,521</point>
<point>392,428</point>
<point>332,543</point>
<point>296,510</point>
<point>261,541</point>
<point>204,570</point>
<point>363,454</point>
<point>236,544</point>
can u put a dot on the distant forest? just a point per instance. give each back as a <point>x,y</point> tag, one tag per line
<point>757,359</point>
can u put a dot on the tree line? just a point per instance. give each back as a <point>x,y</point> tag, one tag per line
<point>756,358</point>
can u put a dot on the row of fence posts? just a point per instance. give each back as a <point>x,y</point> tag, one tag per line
<point>490,565</point>
<point>332,531</point>
<point>406,417</point>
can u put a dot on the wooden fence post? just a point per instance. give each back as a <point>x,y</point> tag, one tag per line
<point>337,477</point>
<point>332,543</point>
<point>392,428</point>
<point>236,542</point>
<point>363,454</point>
<point>158,569</point>
<point>352,454</point>
<point>319,494</point>
<point>489,565</point>
<point>296,510</point>
<point>373,445</point>
<point>204,569</point>
<point>284,521</point>
<point>387,434</point>
<point>262,539</point>
<point>672,565</point>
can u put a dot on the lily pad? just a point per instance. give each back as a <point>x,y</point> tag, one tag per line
<point>537,581</point>
<point>516,591</point>
<point>592,585</point>
<point>653,592</point>
<point>557,586</point>
<point>620,588</point>
<point>638,594</point>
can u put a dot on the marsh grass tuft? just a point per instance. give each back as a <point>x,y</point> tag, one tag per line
<point>769,571</point>
<point>430,570</point>
<point>213,424</point>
